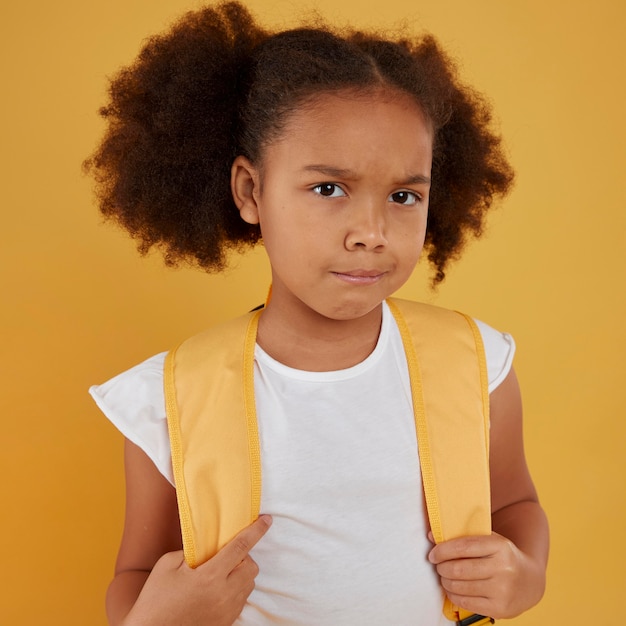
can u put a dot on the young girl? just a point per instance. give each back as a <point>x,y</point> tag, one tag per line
<point>346,154</point>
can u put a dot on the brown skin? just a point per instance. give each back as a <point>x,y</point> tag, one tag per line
<point>373,156</point>
<point>151,529</point>
<point>500,575</point>
<point>504,574</point>
<point>152,583</point>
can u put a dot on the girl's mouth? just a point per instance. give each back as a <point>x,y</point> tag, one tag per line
<point>360,277</point>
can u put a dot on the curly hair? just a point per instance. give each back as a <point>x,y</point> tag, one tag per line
<point>217,85</point>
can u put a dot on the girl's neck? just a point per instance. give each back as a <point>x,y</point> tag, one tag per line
<point>309,341</point>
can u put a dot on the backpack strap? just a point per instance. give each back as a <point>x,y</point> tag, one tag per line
<point>451,408</point>
<point>215,452</point>
<point>450,403</point>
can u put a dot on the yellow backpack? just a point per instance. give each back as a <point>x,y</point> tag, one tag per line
<point>209,393</point>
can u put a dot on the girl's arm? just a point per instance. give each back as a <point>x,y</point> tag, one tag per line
<point>152,583</point>
<point>501,575</point>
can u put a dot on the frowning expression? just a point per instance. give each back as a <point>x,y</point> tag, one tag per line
<point>342,201</point>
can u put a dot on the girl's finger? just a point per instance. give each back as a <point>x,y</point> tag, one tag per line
<point>234,552</point>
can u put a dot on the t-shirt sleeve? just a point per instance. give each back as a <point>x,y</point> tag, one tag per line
<point>134,402</point>
<point>499,353</point>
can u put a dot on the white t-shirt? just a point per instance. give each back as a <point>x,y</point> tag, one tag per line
<point>341,478</point>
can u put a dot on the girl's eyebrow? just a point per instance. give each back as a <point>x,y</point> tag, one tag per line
<point>416,179</point>
<point>332,172</point>
<point>347,174</point>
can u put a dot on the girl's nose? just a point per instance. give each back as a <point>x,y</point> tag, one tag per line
<point>367,228</point>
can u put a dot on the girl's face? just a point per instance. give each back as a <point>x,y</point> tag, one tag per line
<point>342,201</point>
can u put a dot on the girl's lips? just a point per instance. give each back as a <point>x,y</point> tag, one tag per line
<point>360,277</point>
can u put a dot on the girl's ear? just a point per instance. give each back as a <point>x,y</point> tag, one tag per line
<point>245,185</point>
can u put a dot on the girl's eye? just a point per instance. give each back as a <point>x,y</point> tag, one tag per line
<point>405,197</point>
<point>329,190</point>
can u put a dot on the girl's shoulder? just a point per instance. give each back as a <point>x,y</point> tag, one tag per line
<point>135,404</point>
<point>499,353</point>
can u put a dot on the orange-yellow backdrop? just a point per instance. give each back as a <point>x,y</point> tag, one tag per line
<point>78,305</point>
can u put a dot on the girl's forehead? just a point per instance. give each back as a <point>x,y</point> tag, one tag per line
<point>354,129</point>
<point>326,111</point>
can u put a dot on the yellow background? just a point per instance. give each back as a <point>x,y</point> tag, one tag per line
<point>78,305</point>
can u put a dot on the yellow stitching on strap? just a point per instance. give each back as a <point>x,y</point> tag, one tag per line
<point>254,448</point>
<point>484,376</point>
<point>426,463</point>
<point>173,425</point>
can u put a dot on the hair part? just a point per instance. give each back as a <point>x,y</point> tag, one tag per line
<point>217,85</point>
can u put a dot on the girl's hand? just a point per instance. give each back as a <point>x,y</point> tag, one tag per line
<point>214,593</point>
<point>488,575</point>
